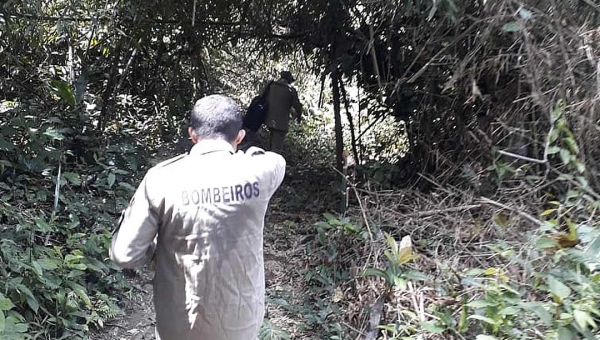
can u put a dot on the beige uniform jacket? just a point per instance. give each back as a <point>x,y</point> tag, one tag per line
<point>282,97</point>
<point>206,210</point>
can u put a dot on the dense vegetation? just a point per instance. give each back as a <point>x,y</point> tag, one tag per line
<point>473,126</point>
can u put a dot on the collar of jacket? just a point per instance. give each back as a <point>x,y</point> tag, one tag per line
<point>211,145</point>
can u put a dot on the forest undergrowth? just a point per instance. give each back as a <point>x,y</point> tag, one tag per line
<point>449,263</point>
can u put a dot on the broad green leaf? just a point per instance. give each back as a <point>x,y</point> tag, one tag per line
<point>5,303</point>
<point>593,249</point>
<point>29,297</point>
<point>21,328</point>
<point>127,186</point>
<point>111,179</point>
<point>565,333</point>
<point>81,293</point>
<point>64,91</point>
<point>558,289</point>
<point>2,321</point>
<point>400,283</point>
<point>510,310</point>
<point>72,177</point>
<point>48,264</point>
<point>553,150</point>
<point>539,310</point>
<point>37,268</point>
<point>565,156</point>
<point>484,319</point>
<point>545,243</point>
<point>433,327</point>
<point>511,27</point>
<point>584,319</point>
<point>329,217</point>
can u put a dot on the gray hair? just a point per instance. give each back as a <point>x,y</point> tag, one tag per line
<point>216,117</point>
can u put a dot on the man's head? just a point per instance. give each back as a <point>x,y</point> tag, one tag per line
<point>287,76</point>
<point>216,117</point>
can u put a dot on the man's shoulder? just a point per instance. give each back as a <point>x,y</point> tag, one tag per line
<point>260,155</point>
<point>169,162</point>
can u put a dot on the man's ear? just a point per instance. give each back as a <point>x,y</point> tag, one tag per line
<point>193,135</point>
<point>239,138</point>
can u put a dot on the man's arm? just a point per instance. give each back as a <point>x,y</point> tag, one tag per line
<point>296,104</point>
<point>133,241</point>
<point>276,165</point>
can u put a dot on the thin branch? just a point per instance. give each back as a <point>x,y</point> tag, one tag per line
<point>486,200</point>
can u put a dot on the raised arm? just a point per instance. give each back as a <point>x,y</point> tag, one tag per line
<point>272,163</point>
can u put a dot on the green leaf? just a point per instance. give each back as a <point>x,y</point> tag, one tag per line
<point>29,297</point>
<point>565,156</point>
<point>558,111</point>
<point>81,293</point>
<point>2,321</point>
<point>583,319</point>
<point>593,249</point>
<point>510,310</point>
<point>377,272</point>
<point>565,333</point>
<point>5,303</point>
<point>433,327</point>
<point>37,268</point>
<point>64,91</point>
<point>484,319</point>
<point>480,304</point>
<point>572,145</point>
<point>511,27</point>
<point>525,14</point>
<point>329,217</point>
<point>539,310</point>
<point>548,212</point>
<point>20,328</point>
<point>111,179</point>
<point>545,243</point>
<point>127,186</point>
<point>554,135</point>
<point>48,264</point>
<point>553,150</point>
<point>6,146</point>
<point>485,337</point>
<point>54,134</point>
<point>558,289</point>
<point>72,177</point>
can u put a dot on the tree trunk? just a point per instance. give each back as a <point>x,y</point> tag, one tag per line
<point>339,140</point>
<point>350,120</point>
<point>106,97</point>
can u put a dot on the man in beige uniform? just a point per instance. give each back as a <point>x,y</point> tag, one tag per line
<point>201,216</point>
<point>282,98</point>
